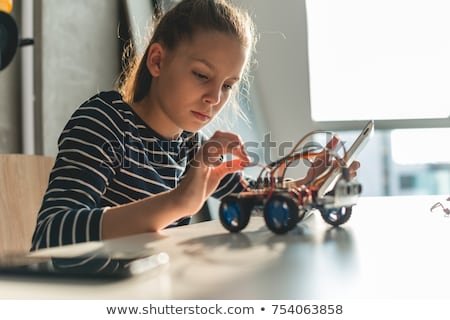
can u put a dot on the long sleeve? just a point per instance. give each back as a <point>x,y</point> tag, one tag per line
<point>90,149</point>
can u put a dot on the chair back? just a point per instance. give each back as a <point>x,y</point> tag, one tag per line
<point>23,182</point>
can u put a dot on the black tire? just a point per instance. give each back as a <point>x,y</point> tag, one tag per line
<point>234,213</point>
<point>336,216</point>
<point>281,213</point>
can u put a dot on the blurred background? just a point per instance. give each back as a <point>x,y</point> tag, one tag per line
<point>326,64</point>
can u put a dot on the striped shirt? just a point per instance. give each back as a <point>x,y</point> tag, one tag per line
<point>107,157</point>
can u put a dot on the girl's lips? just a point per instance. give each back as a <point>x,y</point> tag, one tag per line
<point>201,116</point>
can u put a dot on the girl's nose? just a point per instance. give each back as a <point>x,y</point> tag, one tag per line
<point>213,95</point>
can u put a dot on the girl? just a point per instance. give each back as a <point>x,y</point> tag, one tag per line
<point>134,160</point>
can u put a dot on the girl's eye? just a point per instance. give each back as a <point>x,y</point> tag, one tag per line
<point>228,87</point>
<point>200,75</point>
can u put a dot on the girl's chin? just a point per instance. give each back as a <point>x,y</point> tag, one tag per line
<point>193,127</point>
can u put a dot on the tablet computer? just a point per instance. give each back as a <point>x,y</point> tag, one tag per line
<point>96,264</point>
<point>349,157</point>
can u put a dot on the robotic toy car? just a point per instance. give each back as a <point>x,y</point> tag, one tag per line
<point>283,202</point>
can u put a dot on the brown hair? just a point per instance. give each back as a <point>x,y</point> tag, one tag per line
<point>180,23</point>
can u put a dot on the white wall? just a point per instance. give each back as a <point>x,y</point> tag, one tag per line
<point>281,76</point>
<point>79,56</point>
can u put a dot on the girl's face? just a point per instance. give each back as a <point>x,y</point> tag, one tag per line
<point>192,83</point>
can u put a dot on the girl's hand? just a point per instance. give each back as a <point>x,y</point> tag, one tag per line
<point>207,169</point>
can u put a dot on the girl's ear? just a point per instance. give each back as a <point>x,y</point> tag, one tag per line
<point>154,58</point>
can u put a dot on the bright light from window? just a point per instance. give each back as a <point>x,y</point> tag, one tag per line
<point>419,146</point>
<point>383,59</point>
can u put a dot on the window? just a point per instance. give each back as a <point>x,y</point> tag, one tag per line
<point>384,59</point>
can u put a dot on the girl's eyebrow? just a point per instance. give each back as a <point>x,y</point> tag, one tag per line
<point>210,66</point>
